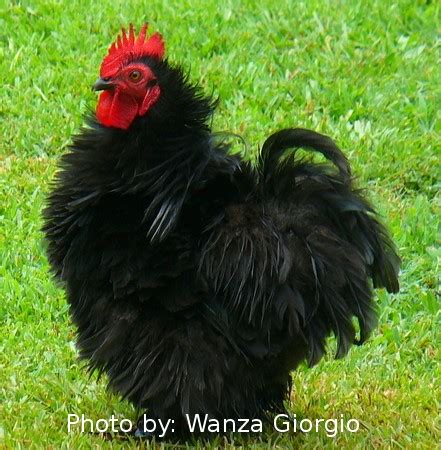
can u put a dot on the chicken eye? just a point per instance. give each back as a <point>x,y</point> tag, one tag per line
<point>135,75</point>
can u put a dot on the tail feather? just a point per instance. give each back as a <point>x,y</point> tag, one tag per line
<point>327,222</point>
<point>274,147</point>
<point>385,264</point>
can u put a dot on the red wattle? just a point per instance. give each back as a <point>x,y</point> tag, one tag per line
<point>116,109</point>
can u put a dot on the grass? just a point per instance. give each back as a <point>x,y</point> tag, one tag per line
<point>367,73</point>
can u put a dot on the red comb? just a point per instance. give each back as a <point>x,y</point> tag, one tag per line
<point>128,46</point>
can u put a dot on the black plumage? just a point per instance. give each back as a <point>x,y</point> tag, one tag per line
<point>198,281</point>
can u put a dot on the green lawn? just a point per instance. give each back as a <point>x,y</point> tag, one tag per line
<point>365,72</point>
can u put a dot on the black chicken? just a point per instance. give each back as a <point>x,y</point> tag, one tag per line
<point>198,281</point>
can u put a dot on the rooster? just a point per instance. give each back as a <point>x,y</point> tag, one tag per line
<point>196,280</point>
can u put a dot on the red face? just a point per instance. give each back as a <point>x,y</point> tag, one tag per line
<point>128,92</point>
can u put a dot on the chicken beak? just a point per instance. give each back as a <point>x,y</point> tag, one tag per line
<point>102,84</point>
